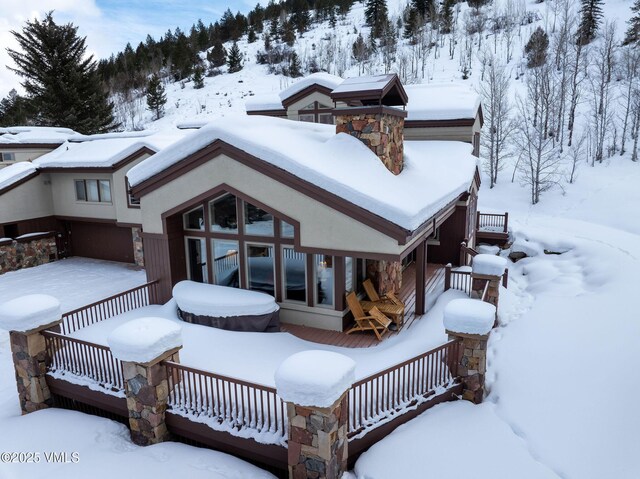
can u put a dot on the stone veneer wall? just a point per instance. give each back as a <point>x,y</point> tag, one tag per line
<point>473,364</point>
<point>386,275</point>
<point>381,132</point>
<point>318,445</point>
<point>25,253</point>
<point>138,250</point>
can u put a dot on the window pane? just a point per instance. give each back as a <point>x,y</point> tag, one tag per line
<point>224,218</point>
<point>92,190</point>
<point>325,118</point>
<point>7,157</point>
<point>323,106</point>
<point>286,230</point>
<point>257,221</point>
<point>197,254</point>
<point>194,219</point>
<point>308,118</point>
<point>81,194</point>
<point>105,191</point>
<point>310,106</point>
<point>324,279</point>
<point>260,268</point>
<point>295,285</point>
<point>226,263</point>
<point>348,274</point>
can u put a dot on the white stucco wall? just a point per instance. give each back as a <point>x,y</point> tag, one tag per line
<point>29,200</point>
<point>321,226</point>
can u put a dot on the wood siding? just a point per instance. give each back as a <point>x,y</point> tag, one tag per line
<point>452,232</point>
<point>101,241</point>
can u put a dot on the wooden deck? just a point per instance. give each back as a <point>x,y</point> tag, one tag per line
<point>435,278</point>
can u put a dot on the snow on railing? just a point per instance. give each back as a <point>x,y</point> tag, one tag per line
<point>131,299</point>
<point>492,222</point>
<point>389,393</point>
<point>460,280</point>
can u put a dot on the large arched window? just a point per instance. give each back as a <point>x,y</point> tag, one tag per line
<point>233,242</point>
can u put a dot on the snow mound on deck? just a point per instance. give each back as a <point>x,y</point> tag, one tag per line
<point>221,301</point>
<point>144,339</point>
<point>315,378</point>
<point>488,264</point>
<point>29,312</point>
<point>469,316</point>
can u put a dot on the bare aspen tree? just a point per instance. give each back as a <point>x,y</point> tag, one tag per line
<point>538,162</point>
<point>635,129</point>
<point>576,154</point>
<point>629,72</point>
<point>601,72</point>
<point>497,114</point>
<point>578,73</point>
<point>509,30</point>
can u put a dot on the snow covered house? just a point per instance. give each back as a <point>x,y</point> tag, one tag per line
<point>304,211</point>
<point>26,143</point>
<point>439,111</point>
<point>79,191</point>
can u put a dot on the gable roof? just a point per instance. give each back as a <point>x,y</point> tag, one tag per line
<point>20,137</point>
<point>15,174</point>
<point>435,172</point>
<point>372,90</point>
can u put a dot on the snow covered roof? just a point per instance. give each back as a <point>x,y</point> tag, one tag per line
<point>269,101</point>
<point>323,79</point>
<point>373,89</point>
<point>34,135</point>
<point>435,172</point>
<point>364,83</point>
<point>446,101</point>
<point>14,173</point>
<point>106,150</point>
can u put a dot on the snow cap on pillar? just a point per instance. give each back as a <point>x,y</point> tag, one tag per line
<point>144,339</point>
<point>489,265</point>
<point>469,316</point>
<point>29,312</point>
<point>315,378</point>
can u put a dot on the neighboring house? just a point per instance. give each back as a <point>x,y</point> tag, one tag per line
<point>26,143</point>
<point>303,212</point>
<point>79,190</point>
<point>439,111</point>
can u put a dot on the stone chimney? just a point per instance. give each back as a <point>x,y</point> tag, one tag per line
<point>365,110</point>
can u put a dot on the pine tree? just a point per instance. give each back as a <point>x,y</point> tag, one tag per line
<point>234,59</point>
<point>590,18</point>
<point>536,48</point>
<point>295,68</point>
<point>633,33</point>
<point>423,7</point>
<point>300,16</point>
<point>217,55</point>
<point>251,36</point>
<point>198,78</point>
<point>156,97</point>
<point>288,33</point>
<point>376,16</point>
<point>61,82</point>
<point>446,16</point>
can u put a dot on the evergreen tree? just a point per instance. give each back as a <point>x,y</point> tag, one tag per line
<point>267,41</point>
<point>198,77</point>
<point>590,18</point>
<point>251,36</point>
<point>423,7</point>
<point>376,16</point>
<point>274,30</point>
<point>156,97</point>
<point>536,48</point>
<point>446,16</point>
<point>61,82</point>
<point>234,59</point>
<point>332,18</point>
<point>413,24</point>
<point>15,110</point>
<point>217,55</point>
<point>288,33</point>
<point>295,68</point>
<point>633,33</point>
<point>300,16</point>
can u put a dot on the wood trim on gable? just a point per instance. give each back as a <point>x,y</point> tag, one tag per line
<point>315,88</point>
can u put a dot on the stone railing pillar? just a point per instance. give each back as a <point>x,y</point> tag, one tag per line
<point>142,344</point>
<point>488,268</point>
<point>25,318</point>
<point>471,321</point>
<point>315,385</point>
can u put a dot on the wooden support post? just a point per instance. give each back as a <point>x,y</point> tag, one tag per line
<point>447,277</point>
<point>421,276</point>
<point>506,222</point>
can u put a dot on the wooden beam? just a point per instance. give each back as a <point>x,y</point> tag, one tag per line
<point>421,276</point>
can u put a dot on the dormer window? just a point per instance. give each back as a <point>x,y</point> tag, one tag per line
<point>316,112</point>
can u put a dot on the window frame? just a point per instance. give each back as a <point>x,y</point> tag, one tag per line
<point>86,194</point>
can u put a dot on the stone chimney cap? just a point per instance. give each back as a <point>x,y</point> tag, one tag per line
<point>371,90</point>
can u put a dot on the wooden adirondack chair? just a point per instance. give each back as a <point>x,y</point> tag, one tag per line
<point>375,321</point>
<point>390,297</point>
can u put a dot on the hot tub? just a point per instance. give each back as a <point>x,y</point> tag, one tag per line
<point>226,308</point>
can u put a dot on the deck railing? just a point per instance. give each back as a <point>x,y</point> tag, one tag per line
<point>389,392</point>
<point>229,402</point>
<point>83,359</point>
<point>457,279</point>
<point>492,222</point>
<point>112,306</point>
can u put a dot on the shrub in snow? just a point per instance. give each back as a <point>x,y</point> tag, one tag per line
<point>469,316</point>
<point>144,339</point>
<point>314,378</point>
<point>489,265</point>
<point>29,312</point>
